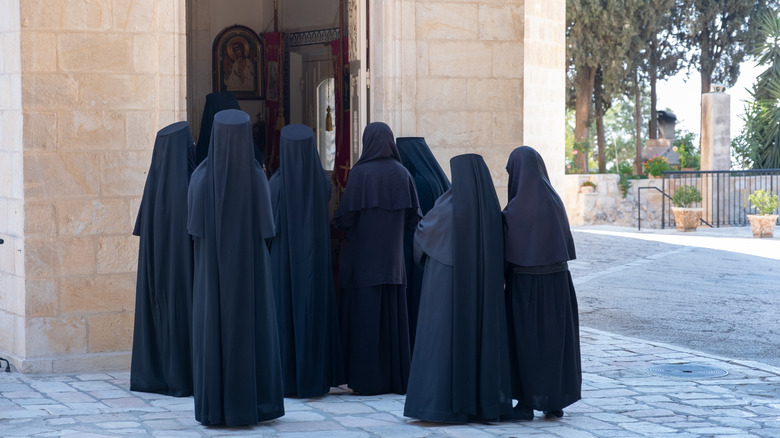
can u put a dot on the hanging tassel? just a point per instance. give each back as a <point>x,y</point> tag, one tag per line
<point>280,123</point>
<point>328,120</point>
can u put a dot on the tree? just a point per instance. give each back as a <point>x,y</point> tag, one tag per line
<point>758,145</point>
<point>599,35</point>
<point>717,34</point>
<point>656,54</point>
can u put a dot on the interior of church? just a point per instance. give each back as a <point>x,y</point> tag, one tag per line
<point>278,57</point>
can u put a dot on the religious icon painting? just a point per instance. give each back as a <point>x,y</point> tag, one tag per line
<point>237,63</point>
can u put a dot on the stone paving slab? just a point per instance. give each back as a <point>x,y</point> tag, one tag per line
<point>620,399</point>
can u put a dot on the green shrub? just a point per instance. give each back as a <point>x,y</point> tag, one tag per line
<point>685,196</point>
<point>763,201</point>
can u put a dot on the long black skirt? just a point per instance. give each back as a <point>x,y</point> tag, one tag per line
<point>375,335</point>
<point>430,383</point>
<point>544,337</point>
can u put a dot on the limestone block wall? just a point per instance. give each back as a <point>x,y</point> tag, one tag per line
<point>606,204</point>
<point>459,74</point>
<point>12,305</point>
<point>98,79</point>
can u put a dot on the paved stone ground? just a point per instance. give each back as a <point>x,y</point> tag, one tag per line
<point>621,398</point>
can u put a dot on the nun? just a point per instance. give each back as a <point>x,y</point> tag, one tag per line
<point>431,182</point>
<point>215,102</point>
<point>460,368</point>
<point>302,271</point>
<point>236,363</point>
<point>540,300</point>
<point>162,360</point>
<point>379,204</point>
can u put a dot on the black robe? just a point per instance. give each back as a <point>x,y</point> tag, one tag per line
<point>236,363</point>
<point>540,298</point>
<point>379,204</point>
<point>162,358</point>
<point>431,182</point>
<point>215,102</point>
<point>302,276</point>
<point>460,369</point>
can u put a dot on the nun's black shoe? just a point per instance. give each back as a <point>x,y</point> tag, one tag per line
<point>558,413</point>
<point>521,412</point>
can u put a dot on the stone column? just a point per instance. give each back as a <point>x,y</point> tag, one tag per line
<point>715,131</point>
<point>715,154</point>
<point>12,303</point>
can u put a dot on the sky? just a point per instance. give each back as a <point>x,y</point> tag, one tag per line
<point>682,96</point>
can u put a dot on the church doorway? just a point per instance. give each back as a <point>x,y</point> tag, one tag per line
<point>304,71</point>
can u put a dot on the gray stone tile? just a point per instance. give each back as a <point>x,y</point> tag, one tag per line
<point>48,387</point>
<point>22,413</point>
<point>24,431</point>
<point>94,377</point>
<point>96,385</point>
<point>342,408</point>
<point>715,430</point>
<point>307,426</point>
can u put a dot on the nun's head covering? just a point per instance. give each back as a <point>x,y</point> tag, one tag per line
<point>168,177</point>
<point>378,143</point>
<point>378,179</point>
<point>229,191</point>
<point>428,176</point>
<point>300,183</point>
<point>536,227</point>
<point>480,354</point>
<point>215,102</point>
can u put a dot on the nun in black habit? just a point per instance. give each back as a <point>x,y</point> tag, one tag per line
<point>378,205</point>
<point>162,358</point>
<point>302,274</point>
<point>431,182</point>
<point>460,368</point>
<point>541,304</point>
<point>236,363</point>
<point>215,102</point>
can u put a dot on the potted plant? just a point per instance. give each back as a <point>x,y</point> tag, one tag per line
<point>656,166</point>
<point>686,218</point>
<point>587,186</point>
<point>763,225</point>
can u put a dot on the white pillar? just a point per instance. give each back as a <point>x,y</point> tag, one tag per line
<point>715,131</point>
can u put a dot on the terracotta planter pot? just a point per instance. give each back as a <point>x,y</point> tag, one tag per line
<point>686,219</point>
<point>762,225</point>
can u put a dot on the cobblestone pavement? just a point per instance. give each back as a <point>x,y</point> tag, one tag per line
<point>622,397</point>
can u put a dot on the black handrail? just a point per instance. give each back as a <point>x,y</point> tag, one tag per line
<point>639,205</point>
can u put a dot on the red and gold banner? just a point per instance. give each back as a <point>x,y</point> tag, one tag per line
<point>274,97</point>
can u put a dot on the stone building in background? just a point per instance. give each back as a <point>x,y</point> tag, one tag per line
<point>85,86</point>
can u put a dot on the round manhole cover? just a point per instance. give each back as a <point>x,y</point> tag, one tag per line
<point>687,371</point>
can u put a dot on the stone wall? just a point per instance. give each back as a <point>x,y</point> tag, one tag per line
<point>606,205</point>
<point>12,305</point>
<point>472,76</point>
<point>98,80</point>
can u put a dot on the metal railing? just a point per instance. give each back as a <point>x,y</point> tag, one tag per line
<point>724,193</point>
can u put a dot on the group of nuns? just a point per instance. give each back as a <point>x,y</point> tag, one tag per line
<point>463,309</point>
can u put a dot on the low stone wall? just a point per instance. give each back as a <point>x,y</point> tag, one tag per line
<point>605,205</point>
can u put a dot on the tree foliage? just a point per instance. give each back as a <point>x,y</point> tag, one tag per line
<point>617,48</point>
<point>599,37</point>
<point>717,34</point>
<point>758,145</point>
